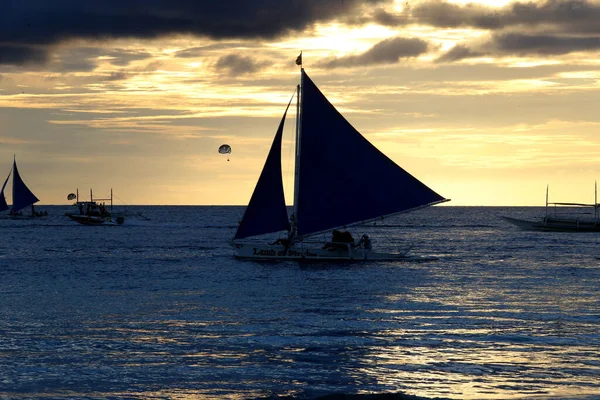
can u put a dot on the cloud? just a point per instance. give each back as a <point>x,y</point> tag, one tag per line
<point>237,65</point>
<point>67,59</point>
<point>553,27</point>
<point>387,51</point>
<point>117,76</point>
<point>43,23</point>
<point>574,16</point>
<point>448,15</point>
<point>517,44</point>
<point>543,44</point>
<point>22,55</point>
<point>567,16</point>
<point>127,73</point>
<point>459,52</point>
<point>200,51</point>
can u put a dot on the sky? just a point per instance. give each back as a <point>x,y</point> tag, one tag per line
<point>487,102</point>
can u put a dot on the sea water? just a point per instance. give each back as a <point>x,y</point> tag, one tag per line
<point>159,308</point>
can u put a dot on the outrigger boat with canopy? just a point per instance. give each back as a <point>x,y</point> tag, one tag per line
<point>94,211</point>
<point>564,217</point>
<point>341,180</point>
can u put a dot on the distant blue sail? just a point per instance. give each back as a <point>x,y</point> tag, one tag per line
<point>343,178</point>
<point>266,212</point>
<point>3,205</point>
<point>22,196</point>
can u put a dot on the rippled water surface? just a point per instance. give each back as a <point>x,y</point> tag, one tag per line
<point>159,308</point>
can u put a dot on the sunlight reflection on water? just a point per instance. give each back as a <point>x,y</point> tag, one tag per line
<point>162,310</point>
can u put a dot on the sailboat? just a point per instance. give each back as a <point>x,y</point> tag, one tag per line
<point>341,180</point>
<point>22,197</point>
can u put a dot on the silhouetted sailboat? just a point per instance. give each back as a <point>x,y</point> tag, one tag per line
<point>22,197</point>
<point>341,180</point>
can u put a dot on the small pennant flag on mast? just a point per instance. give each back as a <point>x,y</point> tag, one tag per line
<point>299,59</point>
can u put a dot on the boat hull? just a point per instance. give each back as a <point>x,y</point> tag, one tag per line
<point>92,220</point>
<point>298,251</point>
<point>555,224</point>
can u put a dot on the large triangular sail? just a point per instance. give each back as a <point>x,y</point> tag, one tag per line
<point>266,212</point>
<point>3,205</point>
<point>22,196</point>
<point>343,179</point>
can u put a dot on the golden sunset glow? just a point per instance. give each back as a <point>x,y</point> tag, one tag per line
<point>446,89</point>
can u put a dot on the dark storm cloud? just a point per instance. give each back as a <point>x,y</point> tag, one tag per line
<point>236,65</point>
<point>387,51</point>
<point>43,22</point>
<point>21,55</point>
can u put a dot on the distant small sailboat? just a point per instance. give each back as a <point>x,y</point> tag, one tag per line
<point>341,180</point>
<point>22,196</point>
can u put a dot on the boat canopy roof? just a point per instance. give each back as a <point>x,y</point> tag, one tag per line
<point>575,204</point>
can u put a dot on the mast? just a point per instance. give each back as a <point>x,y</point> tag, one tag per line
<point>547,200</point>
<point>298,138</point>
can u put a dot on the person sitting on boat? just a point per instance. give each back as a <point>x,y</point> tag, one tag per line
<point>365,242</point>
<point>341,237</point>
<point>37,213</point>
<point>339,240</point>
<point>103,212</point>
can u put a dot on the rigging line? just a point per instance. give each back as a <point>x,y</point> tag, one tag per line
<point>138,214</point>
<point>115,196</point>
